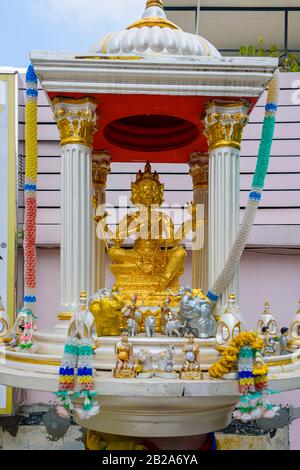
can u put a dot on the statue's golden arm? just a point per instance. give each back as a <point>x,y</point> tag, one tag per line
<point>185,228</point>
<point>168,228</point>
<point>125,229</point>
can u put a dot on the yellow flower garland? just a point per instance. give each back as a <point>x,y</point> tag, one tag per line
<point>229,357</point>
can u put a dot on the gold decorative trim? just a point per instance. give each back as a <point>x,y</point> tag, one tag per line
<point>105,43</point>
<point>226,104</point>
<point>155,3</point>
<point>226,143</point>
<point>5,340</point>
<point>81,101</point>
<point>224,123</point>
<point>150,22</point>
<point>205,45</point>
<point>292,327</point>
<point>65,316</point>
<point>199,167</point>
<point>31,360</point>
<point>5,329</point>
<point>76,120</point>
<point>124,374</point>
<point>101,168</point>
<point>111,57</point>
<point>191,375</point>
<point>280,363</point>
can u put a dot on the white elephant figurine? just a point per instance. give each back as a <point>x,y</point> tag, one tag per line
<point>132,327</point>
<point>150,326</point>
<point>174,327</point>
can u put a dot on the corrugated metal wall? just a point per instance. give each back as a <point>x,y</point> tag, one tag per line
<point>278,218</point>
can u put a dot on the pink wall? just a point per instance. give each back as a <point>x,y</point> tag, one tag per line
<point>272,277</point>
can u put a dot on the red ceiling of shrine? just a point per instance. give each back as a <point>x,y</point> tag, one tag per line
<point>158,128</point>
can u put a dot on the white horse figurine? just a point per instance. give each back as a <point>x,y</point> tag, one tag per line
<point>145,358</point>
<point>164,364</point>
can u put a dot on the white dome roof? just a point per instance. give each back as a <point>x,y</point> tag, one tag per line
<point>154,34</point>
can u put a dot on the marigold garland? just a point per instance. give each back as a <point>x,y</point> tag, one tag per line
<point>230,355</point>
<point>245,350</point>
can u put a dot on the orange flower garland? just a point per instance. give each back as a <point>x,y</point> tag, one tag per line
<point>230,355</point>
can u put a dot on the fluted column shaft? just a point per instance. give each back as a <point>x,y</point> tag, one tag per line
<point>224,207</point>
<point>76,120</point>
<point>101,170</point>
<point>224,124</point>
<point>199,173</point>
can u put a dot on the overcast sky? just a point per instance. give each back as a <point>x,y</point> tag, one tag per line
<point>59,25</point>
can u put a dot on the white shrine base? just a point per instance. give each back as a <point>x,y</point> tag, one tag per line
<point>155,407</point>
<point>145,407</point>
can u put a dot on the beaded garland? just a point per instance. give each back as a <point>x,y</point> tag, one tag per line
<point>26,337</point>
<point>30,197</point>
<point>78,355</point>
<point>255,193</point>
<point>245,349</point>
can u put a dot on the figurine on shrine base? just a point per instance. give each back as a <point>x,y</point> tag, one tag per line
<point>106,306</point>
<point>191,366</point>
<point>165,364</point>
<point>284,339</point>
<point>124,367</point>
<point>132,317</point>
<point>269,342</point>
<point>160,365</point>
<point>166,314</point>
<point>150,326</point>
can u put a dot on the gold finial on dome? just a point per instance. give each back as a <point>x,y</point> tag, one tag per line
<point>154,17</point>
<point>231,296</point>
<point>154,3</point>
<point>267,307</point>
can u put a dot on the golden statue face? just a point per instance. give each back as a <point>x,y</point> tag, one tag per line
<point>147,193</point>
<point>147,189</point>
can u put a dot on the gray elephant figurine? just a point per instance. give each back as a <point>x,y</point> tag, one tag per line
<point>197,314</point>
<point>175,327</point>
<point>132,327</point>
<point>150,326</point>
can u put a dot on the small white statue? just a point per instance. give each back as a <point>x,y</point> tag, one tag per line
<point>150,326</point>
<point>156,365</point>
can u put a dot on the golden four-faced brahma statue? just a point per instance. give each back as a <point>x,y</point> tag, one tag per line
<point>156,260</point>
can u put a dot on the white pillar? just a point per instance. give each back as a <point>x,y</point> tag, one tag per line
<point>224,124</point>
<point>199,173</point>
<point>76,120</point>
<point>101,170</point>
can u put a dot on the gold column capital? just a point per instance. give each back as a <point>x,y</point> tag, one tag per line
<point>224,123</point>
<point>101,169</point>
<point>199,170</point>
<point>76,120</point>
